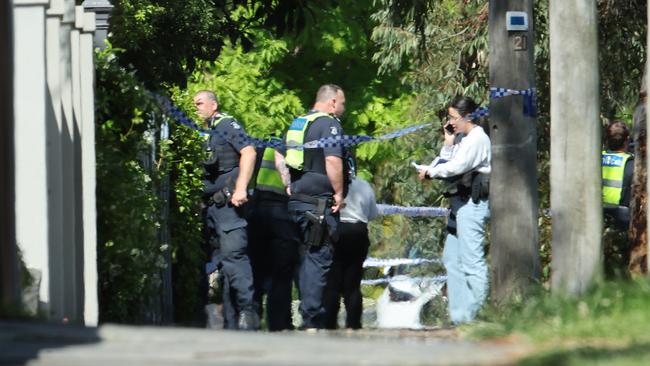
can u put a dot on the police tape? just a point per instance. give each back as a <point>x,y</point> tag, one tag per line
<point>342,140</point>
<point>381,281</point>
<point>178,115</point>
<point>530,98</point>
<point>333,141</point>
<point>379,262</point>
<point>412,211</point>
<point>503,92</point>
<point>351,140</point>
<point>478,113</point>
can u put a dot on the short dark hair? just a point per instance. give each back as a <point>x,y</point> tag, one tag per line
<point>464,105</point>
<point>327,92</point>
<point>616,135</point>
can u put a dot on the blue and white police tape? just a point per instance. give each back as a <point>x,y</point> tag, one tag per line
<point>381,281</point>
<point>334,141</point>
<point>478,113</point>
<point>351,140</point>
<point>530,108</point>
<point>412,211</point>
<point>379,262</point>
<point>504,92</point>
<point>175,112</point>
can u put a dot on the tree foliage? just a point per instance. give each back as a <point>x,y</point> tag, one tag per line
<point>399,62</point>
<point>164,39</point>
<point>443,51</point>
<point>129,255</point>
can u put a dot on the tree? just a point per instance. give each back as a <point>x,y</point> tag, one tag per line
<point>575,153</point>
<point>163,40</point>
<point>639,225</point>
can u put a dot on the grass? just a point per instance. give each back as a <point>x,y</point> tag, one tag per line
<point>632,355</point>
<point>609,325</point>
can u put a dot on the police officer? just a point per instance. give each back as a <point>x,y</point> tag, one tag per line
<point>274,241</point>
<point>316,195</point>
<point>618,170</point>
<point>466,164</point>
<point>228,171</point>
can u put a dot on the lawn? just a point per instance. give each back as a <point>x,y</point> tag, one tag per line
<point>610,325</point>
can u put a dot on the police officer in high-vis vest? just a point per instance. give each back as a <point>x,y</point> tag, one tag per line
<point>228,171</point>
<point>316,195</point>
<point>618,169</point>
<point>273,241</point>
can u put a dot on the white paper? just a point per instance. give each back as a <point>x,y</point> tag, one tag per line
<point>419,167</point>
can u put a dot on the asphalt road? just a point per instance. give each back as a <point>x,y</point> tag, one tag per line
<point>53,345</point>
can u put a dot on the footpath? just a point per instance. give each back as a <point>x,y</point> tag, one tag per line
<point>64,345</point>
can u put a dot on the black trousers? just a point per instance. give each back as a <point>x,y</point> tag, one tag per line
<point>273,244</point>
<point>314,264</point>
<point>344,278</point>
<point>227,231</point>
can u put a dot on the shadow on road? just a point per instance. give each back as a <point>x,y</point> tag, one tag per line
<point>22,342</point>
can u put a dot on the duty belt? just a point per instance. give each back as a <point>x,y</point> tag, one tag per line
<point>311,199</point>
<point>270,196</point>
<point>222,196</point>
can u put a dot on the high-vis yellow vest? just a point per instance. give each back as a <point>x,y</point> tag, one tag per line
<point>296,135</point>
<point>268,178</point>
<point>613,170</point>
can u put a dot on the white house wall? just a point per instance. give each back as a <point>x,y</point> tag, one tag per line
<point>55,154</point>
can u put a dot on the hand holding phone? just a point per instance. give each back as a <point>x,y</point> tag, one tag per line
<point>449,129</point>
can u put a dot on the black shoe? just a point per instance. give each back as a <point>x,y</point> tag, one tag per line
<point>248,320</point>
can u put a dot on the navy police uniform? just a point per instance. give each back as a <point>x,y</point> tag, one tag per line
<point>225,223</point>
<point>310,187</point>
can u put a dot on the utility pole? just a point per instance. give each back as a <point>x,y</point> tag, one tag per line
<point>576,196</point>
<point>513,182</point>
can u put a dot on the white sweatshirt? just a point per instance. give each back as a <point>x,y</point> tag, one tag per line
<point>472,153</point>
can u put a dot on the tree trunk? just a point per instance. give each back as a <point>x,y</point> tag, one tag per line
<point>576,196</point>
<point>638,206</point>
<point>513,188</point>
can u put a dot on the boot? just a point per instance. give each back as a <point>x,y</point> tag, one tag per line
<point>248,320</point>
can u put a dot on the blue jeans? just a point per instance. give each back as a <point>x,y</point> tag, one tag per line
<point>464,259</point>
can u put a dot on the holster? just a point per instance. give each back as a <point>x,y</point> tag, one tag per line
<point>480,187</point>
<point>222,196</point>
<point>459,185</point>
<point>317,227</point>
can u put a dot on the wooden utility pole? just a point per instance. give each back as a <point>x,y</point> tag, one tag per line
<point>576,196</point>
<point>513,182</point>
<point>9,274</point>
